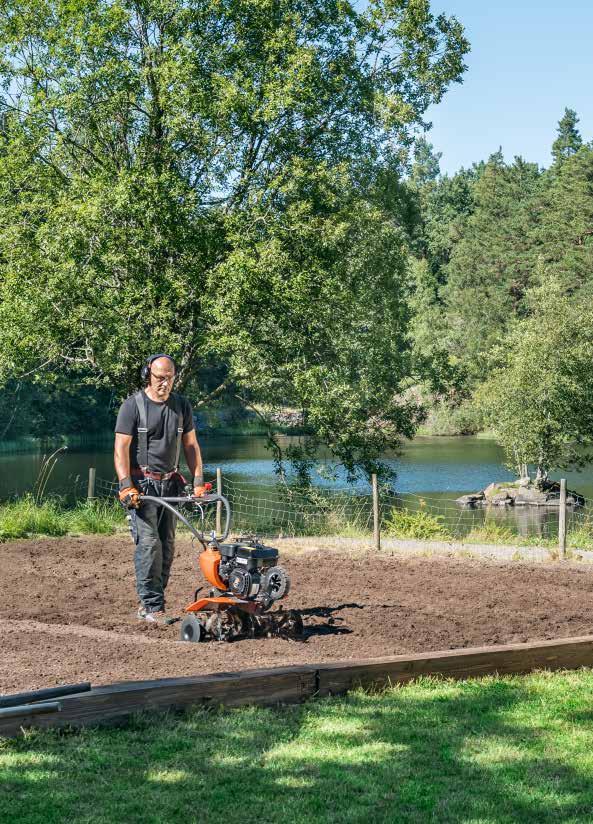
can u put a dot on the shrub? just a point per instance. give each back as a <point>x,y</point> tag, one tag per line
<point>442,419</point>
<point>405,523</point>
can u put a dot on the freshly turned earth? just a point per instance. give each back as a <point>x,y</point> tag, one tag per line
<point>68,610</point>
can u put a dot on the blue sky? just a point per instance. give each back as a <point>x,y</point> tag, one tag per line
<point>528,61</point>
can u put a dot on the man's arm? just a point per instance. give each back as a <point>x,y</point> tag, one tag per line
<point>121,457</point>
<point>193,456</point>
<point>128,494</point>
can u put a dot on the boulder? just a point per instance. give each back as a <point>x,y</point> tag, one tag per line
<point>534,497</point>
<point>471,500</point>
<point>545,493</point>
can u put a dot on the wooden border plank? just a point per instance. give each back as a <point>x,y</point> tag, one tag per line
<point>289,685</point>
<point>566,653</point>
<point>286,685</point>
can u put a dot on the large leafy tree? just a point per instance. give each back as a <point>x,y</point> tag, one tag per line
<point>209,178</point>
<point>539,394</point>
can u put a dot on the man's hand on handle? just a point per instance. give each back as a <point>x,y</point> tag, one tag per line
<point>200,488</point>
<point>130,497</point>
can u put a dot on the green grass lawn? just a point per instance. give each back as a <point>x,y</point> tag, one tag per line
<point>493,750</point>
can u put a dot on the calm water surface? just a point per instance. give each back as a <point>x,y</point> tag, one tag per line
<point>438,467</point>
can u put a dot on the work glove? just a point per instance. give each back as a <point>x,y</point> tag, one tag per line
<point>201,489</point>
<point>130,497</point>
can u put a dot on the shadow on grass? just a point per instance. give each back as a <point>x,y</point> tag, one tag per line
<point>485,751</point>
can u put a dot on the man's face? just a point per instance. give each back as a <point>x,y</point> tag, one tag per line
<point>162,375</point>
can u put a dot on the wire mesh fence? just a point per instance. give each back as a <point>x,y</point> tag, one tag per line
<point>281,510</point>
<point>277,509</point>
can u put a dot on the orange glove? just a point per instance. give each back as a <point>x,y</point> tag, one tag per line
<point>202,489</point>
<point>130,497</point>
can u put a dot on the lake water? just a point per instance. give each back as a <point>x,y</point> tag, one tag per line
<point>440,466</point>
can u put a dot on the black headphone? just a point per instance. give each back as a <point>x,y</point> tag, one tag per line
<point>145,371</point>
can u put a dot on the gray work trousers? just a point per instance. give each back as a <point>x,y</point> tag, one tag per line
<point>153,531</point>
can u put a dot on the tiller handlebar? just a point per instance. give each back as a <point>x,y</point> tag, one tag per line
<point>167,503</point>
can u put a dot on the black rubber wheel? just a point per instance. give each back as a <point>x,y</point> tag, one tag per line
<point>191,630</point>
<point>276,583</point>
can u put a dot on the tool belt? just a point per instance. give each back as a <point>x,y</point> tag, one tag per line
<point>156,476</point>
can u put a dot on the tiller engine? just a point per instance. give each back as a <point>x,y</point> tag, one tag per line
<point>246,582</point>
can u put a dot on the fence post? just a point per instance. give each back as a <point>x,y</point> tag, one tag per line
<point>562,521</point>
<point>376,524</point>
<point>91,488</point>
<point>219,504</point>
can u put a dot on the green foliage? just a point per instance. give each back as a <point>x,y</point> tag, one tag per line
<point>569,140</point>
<point>443,418</point>
<point>208,179</point>
<point>564,237</point>
<point>421,525</point>
<point>43,410</point>
<point>492,264</point>
<point>580,536</point>
<point>539,395</point>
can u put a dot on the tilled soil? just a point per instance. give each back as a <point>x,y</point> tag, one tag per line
<point>68,611</point>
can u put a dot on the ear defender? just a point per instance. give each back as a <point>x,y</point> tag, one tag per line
<point>145,371</point>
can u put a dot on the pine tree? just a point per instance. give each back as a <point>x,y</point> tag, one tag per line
<point>569,139</point>
<point>492,264</point>
<point>565,235</point>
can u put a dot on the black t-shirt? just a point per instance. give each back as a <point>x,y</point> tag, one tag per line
<point>161,422</point>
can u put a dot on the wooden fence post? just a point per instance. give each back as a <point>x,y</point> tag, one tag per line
<point>376,524</point>
<point>562,521</point>
<point>91,488</point>
<point>219,504</point>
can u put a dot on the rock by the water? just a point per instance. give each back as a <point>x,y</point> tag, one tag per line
<point>519,494</point>
<point>471,500</point>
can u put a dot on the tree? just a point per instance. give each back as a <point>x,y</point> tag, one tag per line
<point>426,167</point>
<point>565,232</point>
<point>166,167</point>
<point>441,203</point>
<point>569,140</point>
<point>539,395</point>
<point>492,264</point>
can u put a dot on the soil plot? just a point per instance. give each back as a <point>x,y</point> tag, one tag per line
<point>68,611</point>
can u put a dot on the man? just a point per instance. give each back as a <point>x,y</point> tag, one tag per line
<point>151,427</point>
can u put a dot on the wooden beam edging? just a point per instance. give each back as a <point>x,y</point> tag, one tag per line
<point>473,662</point>
<point>290,685</point>
<point>114,702</point>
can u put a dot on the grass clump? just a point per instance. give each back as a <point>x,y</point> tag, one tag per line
<point>419,524</point>
<point>26,517</point>
<point>95,518</point>
<point>19,519</point>
<point>581,536</point>
<point>489,750</point>
<point>492,533</point>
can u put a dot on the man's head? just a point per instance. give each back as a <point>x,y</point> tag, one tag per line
<point>159,374</point>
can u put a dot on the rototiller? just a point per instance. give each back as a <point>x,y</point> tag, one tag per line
<point>245,579</point>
